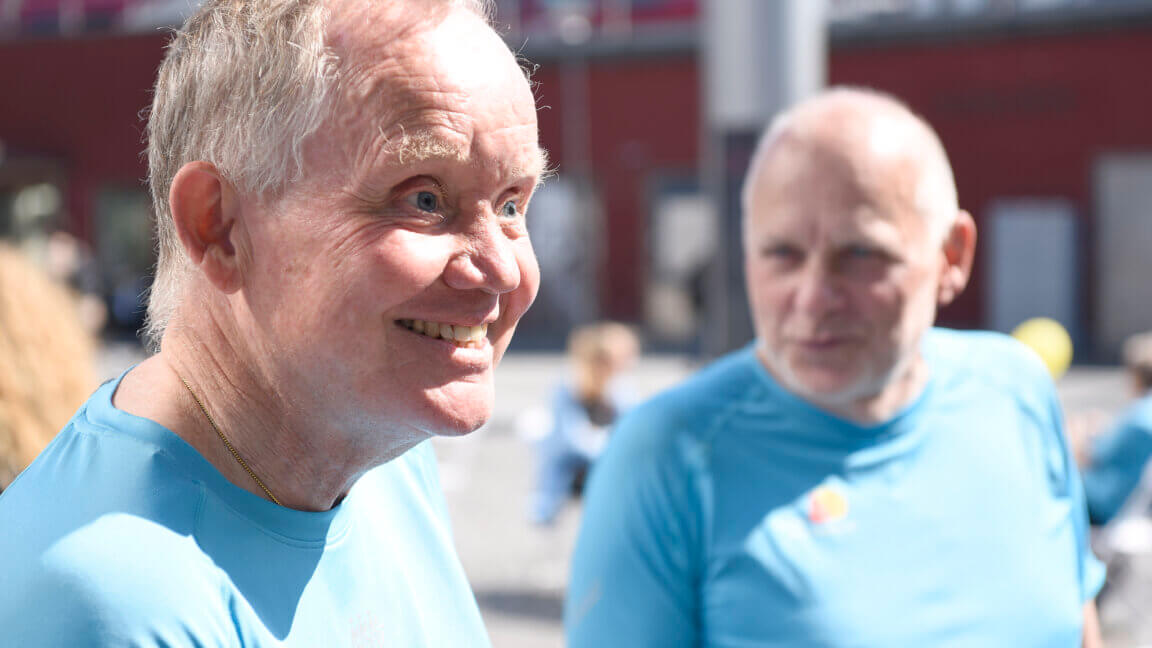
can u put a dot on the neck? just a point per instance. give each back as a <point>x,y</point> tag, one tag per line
<point>900,389</point>
<point>228,444</point>
<point>306,459</point>
<point>898,393</point>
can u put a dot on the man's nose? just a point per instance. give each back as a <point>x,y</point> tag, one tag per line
<point>818,288</point>
<point>487,260</point>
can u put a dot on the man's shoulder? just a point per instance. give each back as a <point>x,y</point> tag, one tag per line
<point>691,412</point>
<point>90,469</point>
<point>959,344</point>
<point>98,571</point>
<point>705,394</point>
<point>94,505</point>
<point>1138,414</point>
<point>995,358</point>
<point>981,374</point>
<point>126,552</point>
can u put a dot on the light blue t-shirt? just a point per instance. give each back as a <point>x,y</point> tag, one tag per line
<point>729,512</point>
<point>1118,459</point>
<point>121,534</point>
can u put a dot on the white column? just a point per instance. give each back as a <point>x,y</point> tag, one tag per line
<point>756,57</point>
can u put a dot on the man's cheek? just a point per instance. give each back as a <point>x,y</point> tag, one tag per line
<point>525,295</point>
<point>518,302</point>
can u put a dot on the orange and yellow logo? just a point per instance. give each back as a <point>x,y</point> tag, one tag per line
<point>826,504</point>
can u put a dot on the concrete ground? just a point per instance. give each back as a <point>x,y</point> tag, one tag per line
<point>519,571</point>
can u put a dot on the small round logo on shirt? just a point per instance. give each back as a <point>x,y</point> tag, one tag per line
<point>826,504</point>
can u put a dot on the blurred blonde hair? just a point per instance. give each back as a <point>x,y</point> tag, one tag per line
<point>602,340</point>
<point>600,350</point>
<point>1137,354</point>
<point>46,361</point>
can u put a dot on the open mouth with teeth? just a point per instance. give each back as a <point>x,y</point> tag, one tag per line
<point>460,335</point>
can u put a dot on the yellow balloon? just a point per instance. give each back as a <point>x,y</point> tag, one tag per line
<point>1049,340</point>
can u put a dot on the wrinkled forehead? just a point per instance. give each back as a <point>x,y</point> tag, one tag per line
<point>448,52</point>
<point>410,77</point>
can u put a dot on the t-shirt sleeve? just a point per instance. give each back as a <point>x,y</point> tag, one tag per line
<point>1090,569</point>
<point>635,569</point>
<point>1022,371</point>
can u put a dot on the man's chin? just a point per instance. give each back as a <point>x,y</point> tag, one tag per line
<point>459,410</point>
<point>459,427</point>
<point>826,389</point>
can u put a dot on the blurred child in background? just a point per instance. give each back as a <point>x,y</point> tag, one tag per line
<point>1116,459</point>
<point>583,408</point>
<point>46,361</point>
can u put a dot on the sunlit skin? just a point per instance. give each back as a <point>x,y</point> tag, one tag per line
<point>428,228</point>
<point>411,207</point>
<point>844,271</point>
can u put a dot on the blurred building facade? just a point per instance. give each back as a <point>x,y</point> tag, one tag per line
<point>74,78</point>
<point>1041,104</point>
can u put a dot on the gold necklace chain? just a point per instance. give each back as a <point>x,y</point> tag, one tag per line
<point>235,454</point>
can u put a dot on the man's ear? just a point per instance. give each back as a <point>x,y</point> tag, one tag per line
<point>958,249</point>
<point>204,210</point>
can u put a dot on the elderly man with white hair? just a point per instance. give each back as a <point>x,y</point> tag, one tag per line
<point>340,190</point>
<point>854,477</point>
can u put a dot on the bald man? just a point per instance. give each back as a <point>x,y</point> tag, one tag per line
<point>854,477</point>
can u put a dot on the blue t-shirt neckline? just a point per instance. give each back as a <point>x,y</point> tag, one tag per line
<point>311,527</point>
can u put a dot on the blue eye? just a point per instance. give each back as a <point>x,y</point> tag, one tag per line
<point>510,209</point>
<point>425,201</point>
<point>780,252</point>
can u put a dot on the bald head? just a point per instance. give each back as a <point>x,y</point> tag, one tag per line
<point>872,137</point>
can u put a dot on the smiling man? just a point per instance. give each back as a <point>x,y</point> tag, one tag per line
<point>340,192</point>
<point>855,477</point>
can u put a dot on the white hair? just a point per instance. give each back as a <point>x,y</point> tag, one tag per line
<point>242,85</point>
<point>935,194</point>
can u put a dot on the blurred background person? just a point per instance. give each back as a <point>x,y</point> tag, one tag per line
<point>1117,459</point>
<point>69,260</point>
<point>583,409</point>
<point>1114,453</point>
<point>46,361</point>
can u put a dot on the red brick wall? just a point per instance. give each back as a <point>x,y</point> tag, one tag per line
<point>79,101</point>
<point>1021,116</point>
